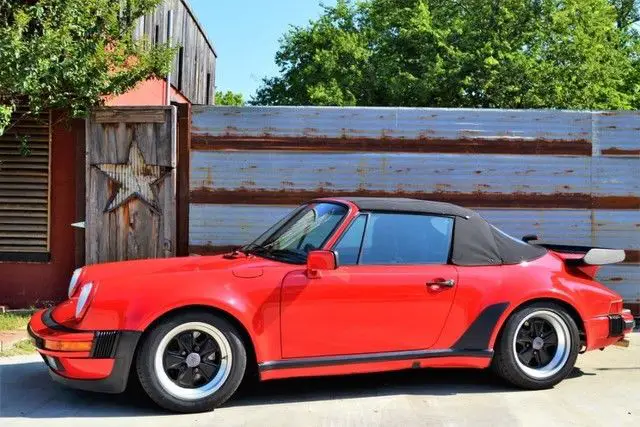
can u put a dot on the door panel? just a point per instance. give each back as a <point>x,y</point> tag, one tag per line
<point>364,309</point>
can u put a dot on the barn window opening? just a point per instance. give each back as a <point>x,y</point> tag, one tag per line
<point>208,89</point>
<point>180,64</point>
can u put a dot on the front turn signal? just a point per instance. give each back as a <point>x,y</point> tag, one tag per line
<point>67,345</point>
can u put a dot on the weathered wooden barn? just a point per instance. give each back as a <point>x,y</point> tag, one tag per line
<point>42,191</point>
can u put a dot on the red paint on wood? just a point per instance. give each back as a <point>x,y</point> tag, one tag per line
<point>24,284</point>
<point>148,92</point>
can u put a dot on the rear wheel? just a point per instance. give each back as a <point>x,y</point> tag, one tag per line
<point>191,362</point>
<point>538,347</point>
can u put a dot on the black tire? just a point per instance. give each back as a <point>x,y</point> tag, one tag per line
<point>149,377</point>
<point>510,369</point>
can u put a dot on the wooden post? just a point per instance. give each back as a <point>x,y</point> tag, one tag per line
<point>184,150</point>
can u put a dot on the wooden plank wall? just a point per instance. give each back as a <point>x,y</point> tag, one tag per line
<point>199,56</point>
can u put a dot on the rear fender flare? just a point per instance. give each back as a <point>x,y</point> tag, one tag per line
<point>557,298</point>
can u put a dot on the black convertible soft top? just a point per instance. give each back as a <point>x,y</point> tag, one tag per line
<point>475,241</point>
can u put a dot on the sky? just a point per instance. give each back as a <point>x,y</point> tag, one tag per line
<point>245,34</point>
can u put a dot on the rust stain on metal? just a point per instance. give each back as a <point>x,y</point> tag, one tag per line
<point>615,151</point>
<point>632,256</point>
<point>468,145</point>
<point>475,199</point>
<point>616,202</point>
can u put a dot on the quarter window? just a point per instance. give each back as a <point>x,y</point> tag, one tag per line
<point>348,248</point>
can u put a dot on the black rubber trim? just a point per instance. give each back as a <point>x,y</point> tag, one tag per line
<point>48,321</point>
<point>616,325</point>
<point>37,341</point>
<point>478,334</point>
<point>116,382</point>
<point>313,362</point>
<point>104,344</point>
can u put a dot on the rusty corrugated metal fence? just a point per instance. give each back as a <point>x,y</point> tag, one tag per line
<point>569,176</point>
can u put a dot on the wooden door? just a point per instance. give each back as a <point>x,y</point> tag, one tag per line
<point>131,184</point>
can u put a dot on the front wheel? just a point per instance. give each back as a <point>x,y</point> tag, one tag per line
<point>538,347</point>
<point>191,362</point>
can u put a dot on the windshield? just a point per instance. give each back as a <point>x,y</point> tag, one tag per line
<point>305,229</point>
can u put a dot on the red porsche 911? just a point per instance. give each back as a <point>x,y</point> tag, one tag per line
<point>339,286</point>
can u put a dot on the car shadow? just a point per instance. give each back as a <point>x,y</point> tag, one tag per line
<point>26,391</point>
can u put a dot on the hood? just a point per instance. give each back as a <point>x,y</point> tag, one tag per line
<point>240,265</point>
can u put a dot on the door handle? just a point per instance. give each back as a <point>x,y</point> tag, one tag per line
<point>440,283</point>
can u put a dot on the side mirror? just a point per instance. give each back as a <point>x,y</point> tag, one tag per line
<point>318,261</point>
<point>529,237</point>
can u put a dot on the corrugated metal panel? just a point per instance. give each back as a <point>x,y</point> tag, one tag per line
<point>24,184</point>
<point>391,172</point>
<point>571,177</point>
<point>616,176</point>
<point>402,123</point>
<point>618,229</point>
<point>215,226</point>
<point>224,225</point>
<point>623,279</point>
<point>618,133</point>
<point>227,225</point>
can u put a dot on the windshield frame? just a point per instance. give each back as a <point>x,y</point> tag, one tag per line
<point>285,222</point>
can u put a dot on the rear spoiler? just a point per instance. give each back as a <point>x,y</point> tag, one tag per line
<point>590,255</point>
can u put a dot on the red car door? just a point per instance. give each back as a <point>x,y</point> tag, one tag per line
<point>392,290</point>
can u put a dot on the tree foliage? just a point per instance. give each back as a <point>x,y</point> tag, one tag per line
<point>229,98</point>
<point>70,54</point>
<point>582,54</point>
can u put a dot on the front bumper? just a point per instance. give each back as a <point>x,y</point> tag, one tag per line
<point>105,368</point>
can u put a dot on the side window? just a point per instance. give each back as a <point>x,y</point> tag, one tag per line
<point>348,248</point>
<point>407,239</point>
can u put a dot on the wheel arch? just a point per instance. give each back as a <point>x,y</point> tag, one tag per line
<point>571,311</point>
<point>252,361</point>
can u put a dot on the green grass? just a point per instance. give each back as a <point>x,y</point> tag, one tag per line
<point>20,348</point>
<point>10,322</point>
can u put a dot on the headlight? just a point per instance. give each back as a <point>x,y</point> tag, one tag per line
<point>84,300</point>
<point>73,284</point>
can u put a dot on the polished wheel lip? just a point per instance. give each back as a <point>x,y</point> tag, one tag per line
<point>563,347</point>
<point>226,361</point>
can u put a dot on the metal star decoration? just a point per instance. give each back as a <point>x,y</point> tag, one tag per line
<point>134,179</point>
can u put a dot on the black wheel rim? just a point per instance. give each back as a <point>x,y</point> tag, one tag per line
<point>536,343</point>
<point>191,359</point>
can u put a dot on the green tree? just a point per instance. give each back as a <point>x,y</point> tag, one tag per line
<point>70,54</point>
<point>581,54</point>
<point>229,98</point>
